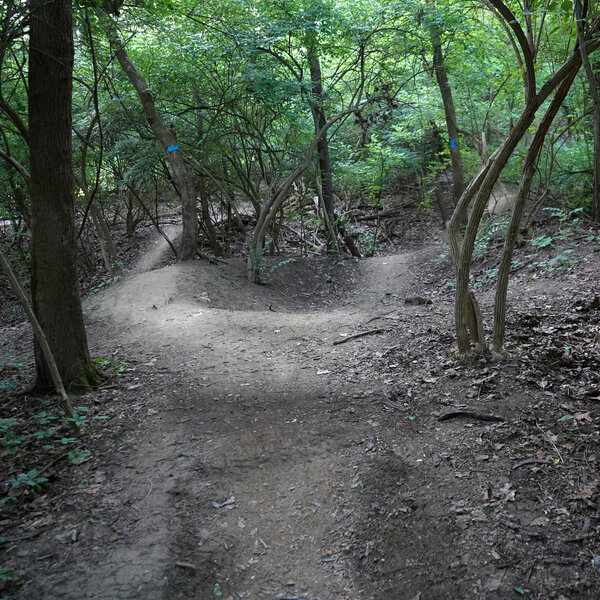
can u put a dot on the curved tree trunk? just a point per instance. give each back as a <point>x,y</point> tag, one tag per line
<point>528,172</point>
<point>54,281</point>
<point>168,140</point>
<point>482,185</point>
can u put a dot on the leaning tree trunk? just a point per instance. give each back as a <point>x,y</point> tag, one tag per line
<point>458,178</point>
<point>54,281</point>
<point>512,232</point>
<point>481,187</point>
<point>63,398</point>
<point>168,140</point>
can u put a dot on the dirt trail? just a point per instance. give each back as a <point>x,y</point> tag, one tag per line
<point>247,409</point>
<point>258,460</point>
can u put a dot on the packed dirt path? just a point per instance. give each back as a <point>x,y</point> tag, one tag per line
<point>254,456</point>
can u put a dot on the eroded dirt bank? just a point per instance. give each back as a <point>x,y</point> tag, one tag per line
<point>251,457</point>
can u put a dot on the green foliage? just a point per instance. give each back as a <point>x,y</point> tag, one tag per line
<point>78,419</point>
<point>542,241</point>
<point>31,479</point>
<point>262,272</point>
<point>77,456</point>
<point>491,232</point>
<point>112,364</point>
<point>368,243</point>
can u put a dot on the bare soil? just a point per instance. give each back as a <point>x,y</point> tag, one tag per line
<point>248,454</point>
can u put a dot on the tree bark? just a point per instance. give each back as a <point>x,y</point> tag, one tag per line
<point>41,340</point>
<point>528,171</point>
<point>483,183</point>
<point>323,146</point>
<point>437,149</point>
<point>54,281</point>
<point>168,140</point>
<point>458,178</point>
<point>595,93</point>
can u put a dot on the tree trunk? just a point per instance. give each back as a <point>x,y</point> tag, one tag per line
<point>595,94</point>
<point>482,185</point>
<point>436,150</point>
<point>528,172</point>
<point>107,246</point>
<point>168,140</point>
<point>458,179</point>
<point>54,281</point>
<point>41,340</point>
<point>323,145</point>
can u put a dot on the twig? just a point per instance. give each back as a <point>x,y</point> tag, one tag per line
<point>550,440</point>
<point>149,492</point>
<point>358,335</point>
<point>529,461</point>
<point>380,316</point>
<point>187,565</point>
<point>52,463</point>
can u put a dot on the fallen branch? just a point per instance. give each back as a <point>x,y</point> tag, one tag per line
<point>471,415</point>
<point>358,335</point>
<point>383,214</point>
<point>211,259</point>
<point>529,461</point>
<point>187,565</point>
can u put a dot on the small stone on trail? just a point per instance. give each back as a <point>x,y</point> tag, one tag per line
<point>67,537</point>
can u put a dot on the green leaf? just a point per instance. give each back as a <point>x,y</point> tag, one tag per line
<point>567,5</point>
<point>565,418</point>
<point>519,590</point>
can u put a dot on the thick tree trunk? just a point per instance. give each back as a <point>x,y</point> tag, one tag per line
<point>458,178</point>
<point>54,281</point>
<point>168,140</point>
<point>41,340</point>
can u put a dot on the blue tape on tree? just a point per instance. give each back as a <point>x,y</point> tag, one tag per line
<point>452,143</point>
<point>172,148</point>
